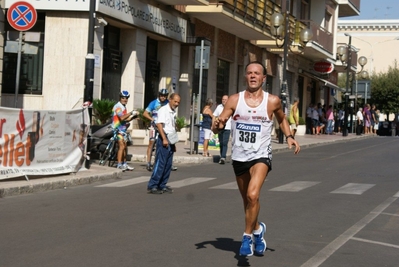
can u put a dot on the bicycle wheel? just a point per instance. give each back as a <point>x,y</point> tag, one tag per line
<point>153,152</point>
<point>107,153</point>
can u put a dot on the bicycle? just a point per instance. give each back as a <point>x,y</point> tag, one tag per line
<point>111,151</point>
<point>153,147</point>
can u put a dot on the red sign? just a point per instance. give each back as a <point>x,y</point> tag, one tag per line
<point>22,16</point>
<point>323,67</point>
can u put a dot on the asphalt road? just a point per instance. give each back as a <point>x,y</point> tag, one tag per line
<point>332,205</point>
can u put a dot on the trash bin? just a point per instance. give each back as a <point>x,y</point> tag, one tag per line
<point>196,134</point>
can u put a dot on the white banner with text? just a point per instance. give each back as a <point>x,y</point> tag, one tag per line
<point>42,142</point>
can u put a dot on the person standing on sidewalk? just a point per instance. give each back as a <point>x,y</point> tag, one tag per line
<point>330,120</point>
<point>252,112</point>
<point>166,124</point>
<point>359,120</point>
<point>207,121</point>
<point>120,118</point>
<point>151,113</point>
<point>294,116</point>
<point>224,134</point>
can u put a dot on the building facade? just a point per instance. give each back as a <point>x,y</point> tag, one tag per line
<point>143,46</point>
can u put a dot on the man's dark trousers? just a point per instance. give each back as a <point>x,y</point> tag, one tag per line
<point>163,165</point>
<point>224,136</point>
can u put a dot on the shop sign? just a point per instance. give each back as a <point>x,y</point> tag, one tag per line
<point>323,67</point>
<point>145,16</point>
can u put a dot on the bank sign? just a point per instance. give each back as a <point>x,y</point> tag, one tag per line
<point>133,12</point>
<point>145,16</point>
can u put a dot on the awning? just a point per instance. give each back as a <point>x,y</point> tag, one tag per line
<point>329,84</point>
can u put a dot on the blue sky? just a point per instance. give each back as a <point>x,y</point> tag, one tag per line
<point>378,9</point>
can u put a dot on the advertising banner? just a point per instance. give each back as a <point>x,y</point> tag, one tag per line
<point>42,142</point>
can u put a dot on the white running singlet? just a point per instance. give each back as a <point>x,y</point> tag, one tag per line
<point>251,131</point>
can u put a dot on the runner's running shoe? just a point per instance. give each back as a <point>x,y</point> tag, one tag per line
<point>246,246</point>
<point>259,241</point>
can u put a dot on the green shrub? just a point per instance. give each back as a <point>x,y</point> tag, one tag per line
<point>102,110</point>
<point>301,121</point>
<point>180,123</point>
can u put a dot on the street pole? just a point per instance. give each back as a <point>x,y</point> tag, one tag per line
<point>89,75</point>
<point>348,67</point>
<point>284,86</point>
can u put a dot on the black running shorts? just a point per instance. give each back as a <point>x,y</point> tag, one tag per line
<point>242,167</point>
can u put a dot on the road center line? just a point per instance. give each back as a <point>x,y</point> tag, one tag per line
<point>375,242</point>
<point>327,251</point>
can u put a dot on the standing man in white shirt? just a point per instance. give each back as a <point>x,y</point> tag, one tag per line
<point>166,125</point>
<point>359,119</point>
<point>224,134</point>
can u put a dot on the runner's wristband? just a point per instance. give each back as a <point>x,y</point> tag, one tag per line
<point>290,136</point>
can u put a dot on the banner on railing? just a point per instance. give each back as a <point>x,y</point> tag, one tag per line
<point>42,142</point>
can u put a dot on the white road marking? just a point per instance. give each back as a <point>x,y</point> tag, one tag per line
<point>189,181</point>
<point>294,186</point>
<point>375,242</point>
<point>396,195</point>
<point>390,214</point>
<point>352,188</point>
<point>232,185</point>
<point>327,251</point>
<point>128,182</point>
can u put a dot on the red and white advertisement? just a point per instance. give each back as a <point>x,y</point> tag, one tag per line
<point>42,142</point>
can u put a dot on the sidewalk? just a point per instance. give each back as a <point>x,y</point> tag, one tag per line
<point>19,186</point>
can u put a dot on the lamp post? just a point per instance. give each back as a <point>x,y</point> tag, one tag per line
<point>344,53</point>
<point>305,36</point>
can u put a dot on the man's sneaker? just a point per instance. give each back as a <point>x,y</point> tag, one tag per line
<point>121,167</point>
<point>128,168</point>
<point>154,191</point>
<point>246,246</point>
<point>222,161</point>
<point>167,189</point>
<point>259,241</point>
<point>174,168</point>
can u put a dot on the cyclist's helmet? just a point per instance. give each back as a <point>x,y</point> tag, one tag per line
<point>124,94</point>
<point>163,92</point>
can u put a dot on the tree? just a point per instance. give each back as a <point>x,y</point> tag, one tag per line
<point>385,90</point>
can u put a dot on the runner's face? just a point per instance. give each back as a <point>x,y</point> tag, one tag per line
<point>254,76</point>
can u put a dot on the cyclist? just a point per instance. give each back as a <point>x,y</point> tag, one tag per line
<point>120,118</point>
<point>151,113</point>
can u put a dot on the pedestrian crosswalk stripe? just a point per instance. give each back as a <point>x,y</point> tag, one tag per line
<point>128,182</point>
<point>353,188</point>
<point>294,186</point>
<point>232,185</point>
<point>189,181</point>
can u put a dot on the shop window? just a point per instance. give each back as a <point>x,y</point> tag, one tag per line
<point>222,82</point>
<point>31,64</point>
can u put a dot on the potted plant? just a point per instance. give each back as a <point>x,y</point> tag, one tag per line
<point>143,122</point>
<point>301,129</point>
<point>180,123</point>
<point>102,110</point>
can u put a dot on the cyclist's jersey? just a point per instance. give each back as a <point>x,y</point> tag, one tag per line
<point>251,131</point>
<point>118,111</point>
<point>153,108</point>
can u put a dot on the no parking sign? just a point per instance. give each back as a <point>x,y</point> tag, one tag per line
<point>22,16</point>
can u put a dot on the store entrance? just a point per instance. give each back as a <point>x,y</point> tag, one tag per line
<point>151,72</point>
<point>112,61</point>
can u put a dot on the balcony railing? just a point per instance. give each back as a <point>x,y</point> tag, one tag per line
<point>321,36</point>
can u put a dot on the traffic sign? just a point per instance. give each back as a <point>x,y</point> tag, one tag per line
<point>22,16</point>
